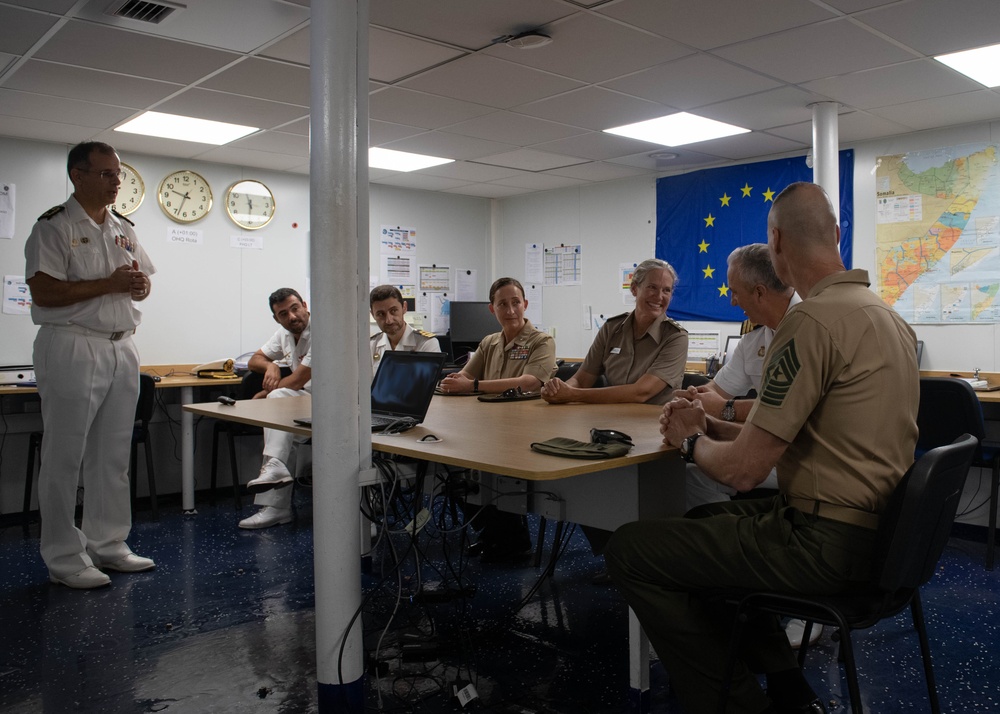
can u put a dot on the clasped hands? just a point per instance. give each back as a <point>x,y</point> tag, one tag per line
<point>683,416</point>
<point>128,278</point>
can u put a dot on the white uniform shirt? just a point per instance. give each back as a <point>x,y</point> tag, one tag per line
<point>744,369</point>
<point>283,348</point>
<point>411,341</point>
<point>69,246</point>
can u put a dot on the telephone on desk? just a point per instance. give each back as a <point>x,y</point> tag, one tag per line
<point>219,369</point>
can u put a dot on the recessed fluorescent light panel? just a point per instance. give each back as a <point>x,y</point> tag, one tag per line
<point>677,129</point>
<point>402,160</point>
<point>173,126</point>
<point>982,65</point>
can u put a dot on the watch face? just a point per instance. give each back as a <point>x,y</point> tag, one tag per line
<point>250,204</point>
<point>131,192</point>
<point>185,196</point>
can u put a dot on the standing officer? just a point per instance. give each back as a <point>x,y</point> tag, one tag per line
<point>86,270</point>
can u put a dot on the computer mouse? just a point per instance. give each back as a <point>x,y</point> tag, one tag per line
<point>227,401</point>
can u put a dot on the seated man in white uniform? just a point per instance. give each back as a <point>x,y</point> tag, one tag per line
<point>290,345</point>
<point>754,287</point>
<point>388,308</point>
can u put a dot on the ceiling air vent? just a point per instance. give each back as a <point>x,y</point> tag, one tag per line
<point>143,11</point>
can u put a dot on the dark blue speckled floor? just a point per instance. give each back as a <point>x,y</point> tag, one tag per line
<point>225,624</point>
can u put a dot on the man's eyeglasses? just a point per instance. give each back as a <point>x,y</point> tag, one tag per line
<point>107,174</point>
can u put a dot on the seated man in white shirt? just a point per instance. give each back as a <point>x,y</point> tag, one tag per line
<point>290,345</point>
<point>388,308</point>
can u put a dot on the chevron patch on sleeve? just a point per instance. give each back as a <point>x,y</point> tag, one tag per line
<point>779,375</point>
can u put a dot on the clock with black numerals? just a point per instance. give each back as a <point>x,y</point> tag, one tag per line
<point>250,204</point>
<point>131,191</point>
<point>185,196</point>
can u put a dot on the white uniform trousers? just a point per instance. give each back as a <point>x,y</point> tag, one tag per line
<point>88,387</point>
<point>279,444</point>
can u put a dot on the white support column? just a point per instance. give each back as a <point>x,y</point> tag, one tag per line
<point>826,150</point>
<point>338,38</point>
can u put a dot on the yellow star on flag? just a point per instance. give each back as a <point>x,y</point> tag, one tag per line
<point>768,195</point>
<point>703,246</point>
<point>724,290</point>
<point>724,199</point>
<point>709,271</point>
<point>747,188</point>
<point>710,221</point>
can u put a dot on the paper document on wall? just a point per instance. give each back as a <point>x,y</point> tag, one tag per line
<point>6,210</point>
<point>16,296</point>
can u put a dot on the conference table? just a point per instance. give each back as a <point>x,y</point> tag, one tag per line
<point>493,441</point>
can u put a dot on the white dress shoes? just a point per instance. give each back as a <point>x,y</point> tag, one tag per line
<point>87,579</point>
<point>131,563</point>
<point>273,474</point>
<point>266,517</point>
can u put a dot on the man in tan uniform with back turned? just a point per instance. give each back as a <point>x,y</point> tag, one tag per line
<point>837,415</point>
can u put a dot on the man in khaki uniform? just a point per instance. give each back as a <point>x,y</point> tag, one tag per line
<point>837,414</point>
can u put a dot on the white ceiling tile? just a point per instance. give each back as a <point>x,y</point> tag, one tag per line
<point>231,154</point>
<point>382,132</point>
<point>539,182</point>
<point>488,190</point>
<point>448,146</point>
<point>470,171</point>
<point>599,171</point>
<point>152,145</point>
<point>218,106</point>
<point>132,53</point>
<point>713,24</point>
<point>5,59</point>
<point>88,84</point>
<point>275,142</point>
<point>935,27</point>
<point>685,160</point>
<point>404,106</point>
<point>41,130</point>
<point>529,160</point>
<point>597,145</point>
<point>672,84</point>
<point>299,126</point>
<point>748,146</point>
<point>851,127</point>
<point>852,6</point>
<point>421,181</point>
<point>818,51</point>
<point>294,48</point>
<point>37,106</point>
<point>514,128</point>
<point>594,108</point>
<point>254,77</point>
<point>983,105</point>
<point>392,56</point>
<point>776,107</point>
<point>896,84</point>
<point>622,49</point>
<point>20,29</point>
<point>489,81</point>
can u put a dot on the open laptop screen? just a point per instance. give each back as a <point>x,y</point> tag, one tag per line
<point>404,383</point>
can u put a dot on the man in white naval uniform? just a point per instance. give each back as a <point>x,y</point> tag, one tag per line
<point>86,270</point>
<point>290,345</point>
<point>388,308</point>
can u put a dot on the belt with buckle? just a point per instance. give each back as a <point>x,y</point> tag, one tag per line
<point>844,514</point>
<point>113,336</point>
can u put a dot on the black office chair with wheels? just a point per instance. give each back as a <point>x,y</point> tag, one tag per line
<point>913,531</point>
<point>144,408</point>
<point>949,407</point>
<point>693,379</point>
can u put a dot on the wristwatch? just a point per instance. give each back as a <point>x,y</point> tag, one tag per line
<point>687,447</point>
<point>729,411</point>
<point>475,384</point>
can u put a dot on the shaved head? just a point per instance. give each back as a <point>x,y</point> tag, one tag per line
<point>803,235</point>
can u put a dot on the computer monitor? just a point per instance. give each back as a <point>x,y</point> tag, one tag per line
<point>731,343</point>
<point>471,321</point>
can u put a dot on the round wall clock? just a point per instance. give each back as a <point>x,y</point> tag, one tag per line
<point>131,192</point>
<point>185,196</point>
<point>250,204</point>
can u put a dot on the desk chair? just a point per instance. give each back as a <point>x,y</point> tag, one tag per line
<point>693,379</point>
<point>34,450</point>
<point>949,407</point>
<point>913,531</point>
<point>144,408</point>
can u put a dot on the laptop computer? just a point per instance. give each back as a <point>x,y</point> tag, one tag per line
<point>403,387</point>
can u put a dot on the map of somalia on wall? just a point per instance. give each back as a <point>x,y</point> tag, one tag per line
<point>938,234</point>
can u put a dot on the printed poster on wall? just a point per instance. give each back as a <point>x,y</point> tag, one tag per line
<point>6,210</point>
<point>435,277</point>
<point>16,296</point>
<point>563,265</point>
<point>398,255</point>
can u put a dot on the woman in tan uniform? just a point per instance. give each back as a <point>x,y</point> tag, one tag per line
<point>641,353</point>
<point>517,356</point>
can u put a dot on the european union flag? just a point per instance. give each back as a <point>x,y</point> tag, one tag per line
<point>702,216</point>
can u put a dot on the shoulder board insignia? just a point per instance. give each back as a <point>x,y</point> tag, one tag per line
<point>51,212</point>
<point>375,337</point>
<point>747,326</point>
<point>676,324</point>
<point>619,317</point>
<point>425,333</point>
<point>124,218</point>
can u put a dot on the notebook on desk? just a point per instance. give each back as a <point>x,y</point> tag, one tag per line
<point>404,385</point>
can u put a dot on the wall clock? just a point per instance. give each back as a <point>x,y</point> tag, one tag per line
<point>185,196</point>
<point>131,192</point>
<point>250,204</point>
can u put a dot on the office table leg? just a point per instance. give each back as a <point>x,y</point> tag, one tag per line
<point>187,454</point>
<point>638,666</point>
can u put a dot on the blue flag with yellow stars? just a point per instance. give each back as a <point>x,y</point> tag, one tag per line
<point>703,215</point>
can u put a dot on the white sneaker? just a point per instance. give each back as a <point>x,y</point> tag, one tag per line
<point>273,474</point>
<point>266,517</point>
<point>794,629</point>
